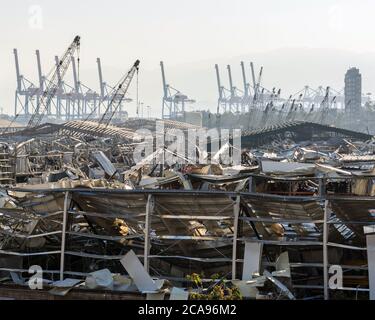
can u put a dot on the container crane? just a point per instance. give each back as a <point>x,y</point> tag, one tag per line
<point>223,99</point>
<point>235,94</point>
<point>52,85</point>
<point>174,101</point>
<point>25,89</point>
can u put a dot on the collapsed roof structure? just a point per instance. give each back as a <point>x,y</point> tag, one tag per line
<point>76,203</point>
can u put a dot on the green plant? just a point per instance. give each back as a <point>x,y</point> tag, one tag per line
<point>219,291</point>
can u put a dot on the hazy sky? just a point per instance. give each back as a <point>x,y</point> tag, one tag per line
<point>191,35</point>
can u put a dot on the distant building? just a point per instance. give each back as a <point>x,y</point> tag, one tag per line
<point>353,89</point>
<point>194,117</point>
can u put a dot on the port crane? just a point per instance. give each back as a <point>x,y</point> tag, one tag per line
<point>174,101</point>
<point>235,93</point>
<point>223,99</point>
<point>53,85</point>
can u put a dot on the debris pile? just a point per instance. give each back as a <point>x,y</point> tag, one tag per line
<point>75,203</point>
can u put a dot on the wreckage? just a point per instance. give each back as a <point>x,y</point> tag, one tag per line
<point>76,204</point>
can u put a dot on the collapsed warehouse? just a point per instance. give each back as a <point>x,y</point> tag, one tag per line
<point>81,218</point>
<point>99,225</point>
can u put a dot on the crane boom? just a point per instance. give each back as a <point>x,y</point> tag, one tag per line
<point>232,89</point>
<point>101,82</point>
<point>118,95</point>
<point>218,81</point>
<point>245,84</point>
<point>165,86</point>
<point>19,77</point>
<point>253,75</point>
<point>52,86</point>
<point>40,74</point>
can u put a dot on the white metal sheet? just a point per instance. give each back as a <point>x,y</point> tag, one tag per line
<point>252,259</point>
<point>138,273</point>
<point>179,294</point>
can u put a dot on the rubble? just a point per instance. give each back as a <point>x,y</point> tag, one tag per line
<point>74,202</point>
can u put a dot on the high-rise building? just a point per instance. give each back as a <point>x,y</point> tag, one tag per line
<point>353,89</point>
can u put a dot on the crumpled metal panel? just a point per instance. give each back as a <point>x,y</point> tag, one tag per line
<point>104,162</point>
<point>354,210</point>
